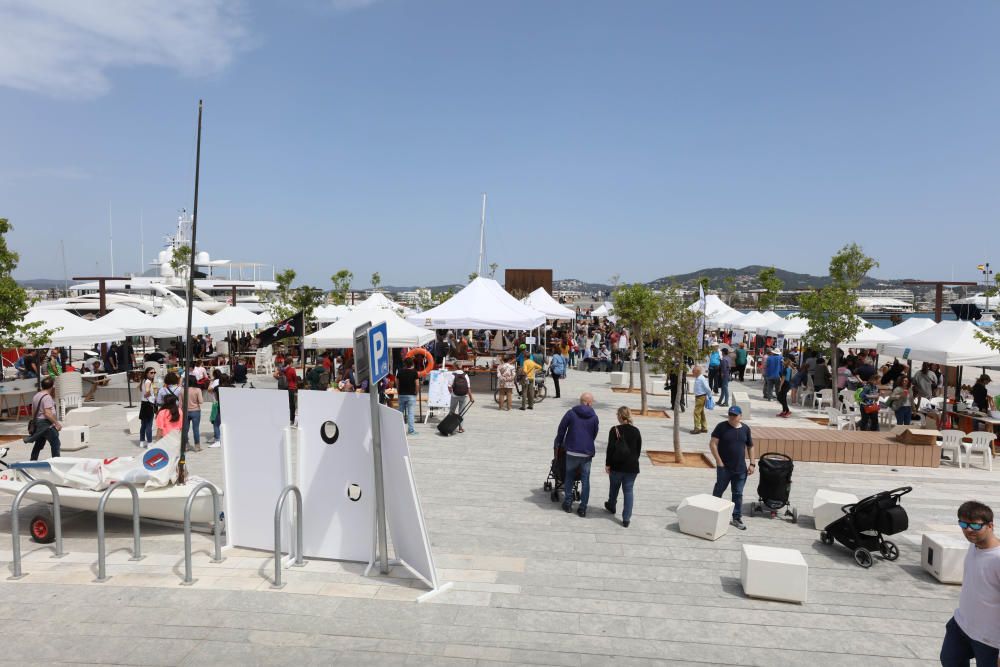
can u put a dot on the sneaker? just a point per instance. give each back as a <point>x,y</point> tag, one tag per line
<point>215,445</point>
<point>411,433</point>
<point>625,524</point>
<point>567,508</point>
<point>609,507</point>
<point>738,523</point>
<point>582,511</point>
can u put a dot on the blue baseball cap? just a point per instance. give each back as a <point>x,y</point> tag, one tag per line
<point>735,410</point>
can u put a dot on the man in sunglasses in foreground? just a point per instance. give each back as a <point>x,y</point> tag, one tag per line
<point>974,630</point>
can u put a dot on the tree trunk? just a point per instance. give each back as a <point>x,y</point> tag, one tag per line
<point>631,378</point>
<point>834,380</point>
<point>678,395</point>
<point>642,371</point>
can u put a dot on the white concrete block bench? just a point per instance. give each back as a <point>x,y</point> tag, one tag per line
<point>85,416</point>
<point>132,422</point>
<point>943,555</point>
<point>74,438</point>
<point>772,573</point>
<point>619,379</point>
<point>827,506</point>
<point>705,516</point>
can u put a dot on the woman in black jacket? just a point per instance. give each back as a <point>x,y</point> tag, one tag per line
<point>622,462</point>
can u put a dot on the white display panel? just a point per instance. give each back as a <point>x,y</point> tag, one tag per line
<point>330,472</point>
<point>253,457</point>
<point>438,394</point>
<point>404,515</point>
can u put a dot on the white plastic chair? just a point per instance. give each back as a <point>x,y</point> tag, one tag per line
<point>849,404</point>
<point>886,415</point>
<point>822,396</point>
<point>981,441</point>
<point>951,441</point>
<point>809,392</point>
<point>839,420</point>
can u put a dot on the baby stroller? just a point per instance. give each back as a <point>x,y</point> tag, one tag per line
<point>554,482</point>
<point>865,522</point>
<point>774,486</point>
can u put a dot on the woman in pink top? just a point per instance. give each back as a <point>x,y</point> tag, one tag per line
<point>194,410</point>
<point>168,419</point>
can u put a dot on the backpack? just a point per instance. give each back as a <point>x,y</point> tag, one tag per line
<point>282,380</point>
<point>460,386</point>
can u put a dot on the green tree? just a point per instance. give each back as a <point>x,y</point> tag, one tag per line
<point>286,300</point>
<point>473,276</point>
<point>180,261</point>
<point>833,310</point>
<point>705,283</point>
<point>675,330</point>
<point>376,280</point>
<point>428,299</point>
<point>341,286</point>
<point>636,306</point>
<point>14,302</point>
<point>772,284</point>
<point>493,269</point>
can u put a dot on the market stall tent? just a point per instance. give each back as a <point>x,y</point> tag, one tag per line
<point>725,319</point>
<point>911,326</point>
<point>543,302</point>
<point>130,320</point>
<point>952,343</point>
<point>869,336</point>
<point>482,304</point>
<point>72,331</point>
<point>330,313</point>
<point>173,322</point>
<point>341,333</point>
<point>793,326</point>
<point>237,318</point>
<point>603,310</point>
<point>379,301</point>
<point>712,306</point>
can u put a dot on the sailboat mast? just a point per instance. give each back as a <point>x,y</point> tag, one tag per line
<point>482,237</point>
<point>111,239</point>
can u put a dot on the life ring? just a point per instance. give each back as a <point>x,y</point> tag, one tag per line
<point>428,360</point>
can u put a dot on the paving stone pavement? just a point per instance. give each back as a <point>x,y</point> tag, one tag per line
<point>532,585</point>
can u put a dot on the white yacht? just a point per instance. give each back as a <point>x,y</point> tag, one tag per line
<point>973,307</point>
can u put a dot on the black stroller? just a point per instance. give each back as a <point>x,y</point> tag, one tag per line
<point>774,486</point>
<point>865,522</point>
<point>554,482</point>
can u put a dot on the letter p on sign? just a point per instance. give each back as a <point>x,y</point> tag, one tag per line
<point>378,352</point>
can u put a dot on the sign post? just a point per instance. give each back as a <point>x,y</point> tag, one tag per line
<point>371,361</point>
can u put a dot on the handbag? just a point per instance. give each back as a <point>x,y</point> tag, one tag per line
<point>214,415</point>
<point>710,403</point>
<point>870,408</point>
<point>33,422</point>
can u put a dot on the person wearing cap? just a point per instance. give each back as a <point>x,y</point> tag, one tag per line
<point>701,393</point>
<point>529,368</point>
<point>980,397</point>
<point>731,445</point>
<point>772,374</point>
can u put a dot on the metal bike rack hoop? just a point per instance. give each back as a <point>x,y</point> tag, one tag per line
<point>299,562</point>
<point>102,575</point>
<point>15,527</point>
<point>188,579</point>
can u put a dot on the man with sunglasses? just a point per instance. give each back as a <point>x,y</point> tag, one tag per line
<point>974,630</point>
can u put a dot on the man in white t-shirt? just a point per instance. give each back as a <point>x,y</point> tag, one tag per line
<point>973,633</point>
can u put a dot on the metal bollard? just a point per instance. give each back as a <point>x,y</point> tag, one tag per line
<point>136,548</point>
<point>188,580</point>
<point>15,527</point>
<point>291,488</point>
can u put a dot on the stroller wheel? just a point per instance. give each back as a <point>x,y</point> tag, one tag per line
<point>889,550</point>
<point>825,537</point>
<point>863,557</point>
<point>795,515</point>
<point>547,486</point>
<point>554,496</point>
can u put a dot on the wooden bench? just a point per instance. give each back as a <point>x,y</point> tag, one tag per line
<point>828,446</point>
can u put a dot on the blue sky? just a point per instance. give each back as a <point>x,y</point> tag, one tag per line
<point>639,138</point>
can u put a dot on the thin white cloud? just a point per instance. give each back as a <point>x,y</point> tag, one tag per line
<point>65,48</point>
<point>348,5</point>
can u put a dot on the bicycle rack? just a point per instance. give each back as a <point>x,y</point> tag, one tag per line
<point>291,488</point>
<point>188,580</point>
<point>15,528</point>
<point>102,575</point>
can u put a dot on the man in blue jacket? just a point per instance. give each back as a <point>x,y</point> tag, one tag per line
<point>772,373</point>
<point>576,434</point>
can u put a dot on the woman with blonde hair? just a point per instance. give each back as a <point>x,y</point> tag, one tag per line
<point>622,462</point>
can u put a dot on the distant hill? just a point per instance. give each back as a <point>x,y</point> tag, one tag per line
<point>42,283</point>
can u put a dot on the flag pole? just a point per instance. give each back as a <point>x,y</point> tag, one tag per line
<point>188,348</point>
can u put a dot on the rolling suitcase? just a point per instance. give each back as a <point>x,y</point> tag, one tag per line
<point>453,420</point>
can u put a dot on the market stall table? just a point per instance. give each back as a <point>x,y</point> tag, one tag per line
<point>21,398</point>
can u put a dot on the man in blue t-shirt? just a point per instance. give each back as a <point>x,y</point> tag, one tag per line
<point>731,445</point>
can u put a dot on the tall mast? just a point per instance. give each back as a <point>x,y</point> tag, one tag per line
<point>111,240</point>
<point>142,247</point>
<point>482,238</point>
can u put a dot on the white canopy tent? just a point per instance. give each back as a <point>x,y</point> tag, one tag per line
<point>341,333</point>
<point>173,322</point>
<point>712,306</point>
<point>604,310</point>
<point>482,304</point>
<point>750,321</point>
<point>130,320</point>
<point>237,318</point>
<point>952,343</point>
<point>72,331</point>
<point>379,301</point>
<point>543,302</point>
<point>330,313</point>
<point>914,325</point>
<point>724,319</point>
<point>793,326</point>
<point>869,336</point>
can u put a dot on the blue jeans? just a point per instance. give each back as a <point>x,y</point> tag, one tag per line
<point>624,481</point>
<point>216,426</point>
<point>723,389</point>
<point>406,405</point>
<point>50,434</point>
<point>573,464</point>
<point>194,419</point>
<point>904,415</point>
<point>959,648</point>
<point>724,478</point>
<point>146,429</point>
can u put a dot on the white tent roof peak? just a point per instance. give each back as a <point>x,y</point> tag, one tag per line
<point>379,301</point>
<point>72,330</point>
<point>952,343</point>
<point>341,333</point>
<point>482,304</point>
<point>130,320</point>
<point>543,302</point>
<point>712,306</point>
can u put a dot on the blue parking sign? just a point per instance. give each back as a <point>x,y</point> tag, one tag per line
<point>378,352</point>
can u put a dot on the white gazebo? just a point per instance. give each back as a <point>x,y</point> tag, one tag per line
<point>543,302</point>
<point>130,320</point>
<point>951,343</point>
<point>330,313</point>
<point>172,322</point>
<point>70,330</point>
<point>379,301</point>
<point>237,318</point>
<point>712,306</point>
<point>870,336</point>
<point>914,325</point>
<point>341,333</point>
<point>793,326</point>
<point>604,310</point>
<point>482,304</point>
